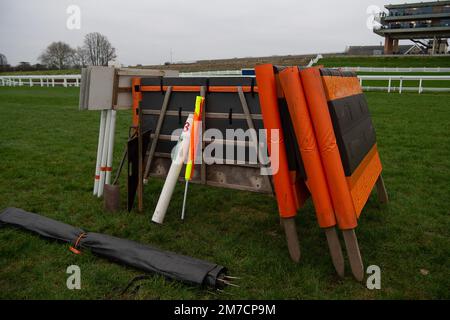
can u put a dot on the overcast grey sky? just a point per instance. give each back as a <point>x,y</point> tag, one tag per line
<point>145,31</point>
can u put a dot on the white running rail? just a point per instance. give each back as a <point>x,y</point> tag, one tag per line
<point>387,69</point>
<point>70,80</point>
<point>399,83</point>
<point>393,83</point>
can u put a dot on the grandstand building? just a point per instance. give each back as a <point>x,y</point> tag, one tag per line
<point>425,23</point>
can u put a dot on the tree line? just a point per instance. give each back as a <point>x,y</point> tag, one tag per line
<point>96,51</point>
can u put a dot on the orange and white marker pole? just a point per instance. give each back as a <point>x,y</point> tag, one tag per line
<point>193,147</point>
<point>179,155</point>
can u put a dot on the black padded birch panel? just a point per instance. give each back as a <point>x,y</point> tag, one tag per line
<point>355,134</point>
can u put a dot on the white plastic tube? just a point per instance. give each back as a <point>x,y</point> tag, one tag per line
<point>101,182</point>
<point>101,136</point>
<point>109,161</point>
<point>178,157</point>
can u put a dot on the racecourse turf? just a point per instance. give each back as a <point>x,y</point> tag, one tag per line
<point>47,159</point>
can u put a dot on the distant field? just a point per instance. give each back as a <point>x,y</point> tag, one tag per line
<point>47,157</point>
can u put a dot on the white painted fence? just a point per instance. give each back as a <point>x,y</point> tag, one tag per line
<point>401,79</point>
<point>41,80</point>
<point>386,69</point>
<point>394,83</point>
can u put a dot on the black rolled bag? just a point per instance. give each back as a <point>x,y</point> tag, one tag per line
<point>146,258</point>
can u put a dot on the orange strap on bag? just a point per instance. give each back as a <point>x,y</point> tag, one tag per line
<point>284,189</point>
<point>304,131</point>
<point>329,152</point>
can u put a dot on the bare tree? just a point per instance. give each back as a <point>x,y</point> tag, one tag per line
<point>99,49</point>
<point>3,61</point>
<point>58,54</point>
<point>80,57</point>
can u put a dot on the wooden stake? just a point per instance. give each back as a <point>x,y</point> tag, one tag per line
<point>140,191</point>
<point>335,250</point>
<point>381,190</point>
<point>157,131</point>
<point>353,253</point>
<point>290,231</point>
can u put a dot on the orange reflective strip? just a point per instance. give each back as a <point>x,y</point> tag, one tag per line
<point>340,87</point>
<point>137,97</point>
<point>363,179</point>
<point>304,131</point>
<point>105,169</point>
<point>328,149</point>
<point>284,189</point>
<point>97,177</point>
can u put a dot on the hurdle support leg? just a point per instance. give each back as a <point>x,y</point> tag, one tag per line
<point>353,253</point>
<point>290,231</point>
<point>335,250</point>
<point>381,190</point>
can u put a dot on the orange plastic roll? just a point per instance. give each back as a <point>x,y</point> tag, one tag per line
<point>329,152</point>
<point>284,193</point>
<point>304,132</point>
<point>137,97</point>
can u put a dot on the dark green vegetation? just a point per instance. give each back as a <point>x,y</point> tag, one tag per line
<point>47,157</point>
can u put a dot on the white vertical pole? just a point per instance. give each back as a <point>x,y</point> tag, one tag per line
<point>101,183</point>
<point>31,82</point>
<point>112,128</point>
<point>400,87</point>
<point>65,82</point>
<point>20,82</point>
<point>42,82</point>
<point>179,154</point>
<point>420,85</point>
<point>77,83</point>
<point>101,136</point>
<point>53,82</point>
<point>389,84</point>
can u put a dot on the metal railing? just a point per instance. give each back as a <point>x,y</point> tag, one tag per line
<point>397,69</point>
<point>394,83</point>
<point>41,80</point>
<point>399,85</point>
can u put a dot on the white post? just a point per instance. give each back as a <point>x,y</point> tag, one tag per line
<point>31,82</point>
<point>47,81</point>
<point>77,83</point>
<point>178,157</point>
<point>420,85</point>
<point>65,82</point>
<point>400,87</point>
<point>112,128</point>
<point>20,82</point>
<point>101,136</point>
<point>53,82</point>
<point>389,84</point>
<point>42,82</point>
<point>101,183</point>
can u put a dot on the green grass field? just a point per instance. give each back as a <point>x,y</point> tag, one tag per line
<point>388,62</point>
<point>47,157</point>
